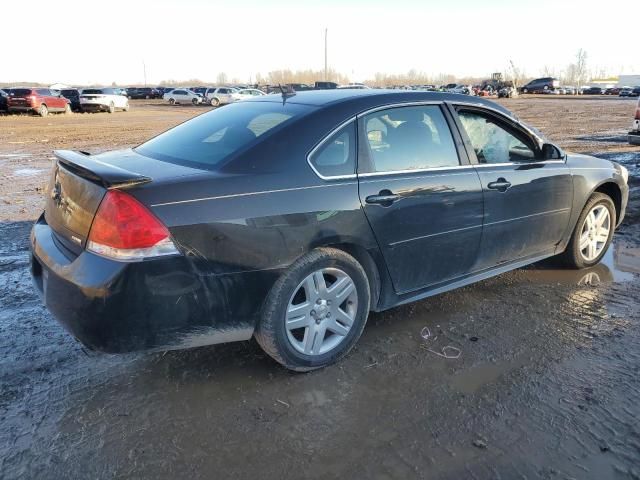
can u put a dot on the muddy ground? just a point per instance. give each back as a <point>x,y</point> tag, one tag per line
<point>547,384</point>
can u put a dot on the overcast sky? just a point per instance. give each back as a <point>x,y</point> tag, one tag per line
<point>85,41</point>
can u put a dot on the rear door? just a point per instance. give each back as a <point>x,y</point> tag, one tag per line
<point>527,200</point>
<point>420,195</point>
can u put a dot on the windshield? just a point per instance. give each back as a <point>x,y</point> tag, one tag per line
<point>209,140</point>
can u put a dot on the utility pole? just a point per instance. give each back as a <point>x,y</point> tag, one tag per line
<point>325,55</point>
<point>144,71</point>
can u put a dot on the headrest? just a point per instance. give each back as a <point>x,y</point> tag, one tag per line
<point>407,114</point>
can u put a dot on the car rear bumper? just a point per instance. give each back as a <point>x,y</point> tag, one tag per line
<point>160,304</point>
<point>22,108</point>
<point>93,106</point>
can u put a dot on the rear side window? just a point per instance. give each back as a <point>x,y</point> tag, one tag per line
<point>20,92</point>
<point>43,91</point>
<point>211,139</point>
<point>409,138</point>
<point>336,156</point>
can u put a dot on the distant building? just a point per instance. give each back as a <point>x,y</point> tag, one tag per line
<point>628,80</point>
<point>59,86</point>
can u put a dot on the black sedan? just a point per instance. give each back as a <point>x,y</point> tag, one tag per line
<point>291,217</point>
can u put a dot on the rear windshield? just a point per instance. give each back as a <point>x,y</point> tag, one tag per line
<point>19,92</point>
<point>209,140</point>
<point>92,91</point>
<point>70,93</point>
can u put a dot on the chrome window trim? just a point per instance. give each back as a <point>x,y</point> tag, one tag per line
<point>321,144</point>
<point>507,164</point>
<point>415,170</point>
<point>397,105</point>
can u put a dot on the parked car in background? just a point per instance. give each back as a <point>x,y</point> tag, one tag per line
<point>37,100</point>
<point>461,90</point>
<point>182,96</point>
<point>246,93</point>
<point>569,90</point>
<point>626,92</point>
<point>276,218</point>
<point>612,91</point>
<point>593,91</point>
<point>541,85</point>
<point>3,100</point>
<point>508,92</point>
<point>217,96</point>
<point>634,134</point>
<point>635,92</point>
<point>73,95</point>
<point>103,100</point>
<point>120,91</point>
<point>143,93</point>
<point>325,85</point>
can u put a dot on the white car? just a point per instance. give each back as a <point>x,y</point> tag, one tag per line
<point>248,93</point>
<point>102,100</point>
<point>634,134</point>
<point>182,95</point>
<point>221,96</point>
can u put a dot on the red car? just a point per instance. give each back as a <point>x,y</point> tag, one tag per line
<point>37,100</point>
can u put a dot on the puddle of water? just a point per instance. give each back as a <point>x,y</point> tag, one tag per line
<point>619,264</point>
<point>27,172</point>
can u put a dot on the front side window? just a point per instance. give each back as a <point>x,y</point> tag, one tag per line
<point>492,142</point>
<point>409,138</point>
<point>337,154</point>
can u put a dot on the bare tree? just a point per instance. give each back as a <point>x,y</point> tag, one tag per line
<point>581,68</point>
<point>515,74</point>
<point>221,79</point>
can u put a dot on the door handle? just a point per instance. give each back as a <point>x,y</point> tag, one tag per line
<point>385,198</point>
<point>501,185</point>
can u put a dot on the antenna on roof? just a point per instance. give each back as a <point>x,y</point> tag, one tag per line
<point>286,92</point>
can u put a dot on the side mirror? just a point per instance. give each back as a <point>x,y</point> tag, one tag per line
<point>551,152</point>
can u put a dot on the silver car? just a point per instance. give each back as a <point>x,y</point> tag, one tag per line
<point>220,96</point>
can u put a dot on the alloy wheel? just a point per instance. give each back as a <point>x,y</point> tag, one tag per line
<point>595,232</point>
<point>321,311</point>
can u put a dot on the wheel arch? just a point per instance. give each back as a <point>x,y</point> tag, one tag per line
<point>366,259</point>
<point>612,190</point>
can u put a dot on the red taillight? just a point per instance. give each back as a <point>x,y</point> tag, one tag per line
<point>125,229</point>
<point>31,99</point>
<point>638,111</point>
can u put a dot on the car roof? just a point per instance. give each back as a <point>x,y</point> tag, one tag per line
<point>372,98</point>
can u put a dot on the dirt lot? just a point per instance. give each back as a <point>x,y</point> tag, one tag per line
<point>547,385</point>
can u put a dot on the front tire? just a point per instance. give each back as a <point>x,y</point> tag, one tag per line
<point>112,107</point>
<point>316,310</point>
<point>172,101</point>
<point>593,233</point>
<point>126,107</point>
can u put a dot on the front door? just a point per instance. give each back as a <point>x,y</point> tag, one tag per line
<point>423,201</point>
<point>527,200</point>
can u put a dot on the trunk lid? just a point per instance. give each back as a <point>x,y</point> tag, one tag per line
<point>79,182</point>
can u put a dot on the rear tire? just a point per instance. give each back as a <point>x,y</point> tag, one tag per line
<point>215,102</point>
<point>112,107</point>
<point>67,109</point>
<point>126,107</point>
<point>43,111</point>
<point>588,245</point>
<point>172,101</point>
<point>194,101</point>
<point>320,306</point>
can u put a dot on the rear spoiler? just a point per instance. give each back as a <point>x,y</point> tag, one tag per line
<point>107,175</point>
